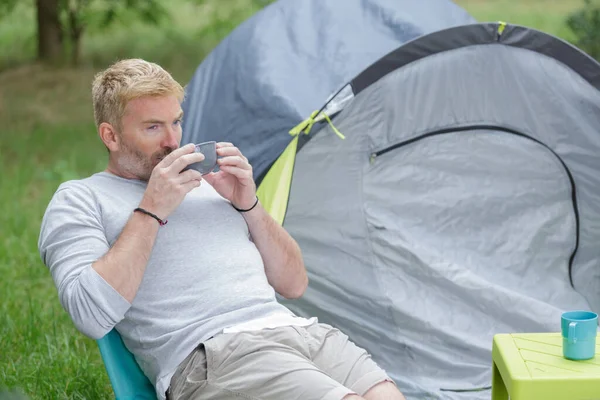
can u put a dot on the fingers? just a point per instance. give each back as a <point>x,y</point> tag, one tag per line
<point>210,178</point>
<point>189,175</point>
<point>241,174</point>
<point>188,186</point>
<point>225,149</point>
<point>234,161</point>
<point>231,156</point>
<point>175,154</point>
<point>237,166</point>
<point>183,161</point>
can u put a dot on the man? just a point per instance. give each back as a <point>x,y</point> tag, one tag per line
<point>186,266</point>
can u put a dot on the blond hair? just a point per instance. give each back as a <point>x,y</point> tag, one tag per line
<point>126,80</point>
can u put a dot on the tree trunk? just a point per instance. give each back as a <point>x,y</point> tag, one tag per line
<point>76,48</point>
<point>50,46</point>
<point>75,33</point>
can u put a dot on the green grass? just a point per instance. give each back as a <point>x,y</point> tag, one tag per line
<point>546,15</point>
<point>40,351</point>
<point>48,136</point>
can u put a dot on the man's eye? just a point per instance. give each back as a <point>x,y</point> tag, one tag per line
<point>177,122</point>
<point>153,127</point>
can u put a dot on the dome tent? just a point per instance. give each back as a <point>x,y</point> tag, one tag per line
<point>464,199</point>
<point>278,66</point>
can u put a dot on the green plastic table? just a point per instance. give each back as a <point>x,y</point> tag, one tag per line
<point>530,366</point>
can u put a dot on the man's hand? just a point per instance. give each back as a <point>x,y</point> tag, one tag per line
<point>234,181</point>
<point>167,186</point>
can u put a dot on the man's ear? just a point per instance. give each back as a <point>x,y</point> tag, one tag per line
<point>109,136</point>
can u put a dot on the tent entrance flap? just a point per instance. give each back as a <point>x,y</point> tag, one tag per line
<point>491,129</point>
<point>274,190</point>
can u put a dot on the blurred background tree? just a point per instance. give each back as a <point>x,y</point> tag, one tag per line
<point>585,24</point>
<point>6,7</point>
<point>60,32</point>
<point>49,30</point>
<point>59,26</point>
<point>62,23</point>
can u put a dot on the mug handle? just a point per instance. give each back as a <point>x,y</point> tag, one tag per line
<point>572,338</point>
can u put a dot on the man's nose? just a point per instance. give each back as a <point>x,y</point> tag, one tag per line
<point>171,139</point>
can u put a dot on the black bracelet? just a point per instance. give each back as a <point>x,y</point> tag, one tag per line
<point>160,221</point>
<point>249,209</point>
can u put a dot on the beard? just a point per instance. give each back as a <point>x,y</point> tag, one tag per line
<point>136,163</point>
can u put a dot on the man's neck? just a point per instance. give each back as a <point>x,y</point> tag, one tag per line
<point>112,168</point>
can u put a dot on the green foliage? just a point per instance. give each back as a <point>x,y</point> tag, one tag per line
<point>17,34</point>
<point>99,15</point>
<point>545,15</point>
<point>226,19</point>
<point>585,24</point>
<point>78,16</point>
<point>178,33</point>
<point>253,3</point>
<point>6,7</point>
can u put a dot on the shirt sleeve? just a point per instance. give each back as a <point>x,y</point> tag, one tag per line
<point>71,239</point>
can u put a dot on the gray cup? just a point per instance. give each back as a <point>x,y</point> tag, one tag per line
<point>209,149</point>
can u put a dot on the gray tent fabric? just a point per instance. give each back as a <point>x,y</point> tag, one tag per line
<point>276,68</point>
<point>464,201</point>
<point>464,223</point>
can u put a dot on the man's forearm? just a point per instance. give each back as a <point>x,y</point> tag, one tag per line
<point>124,264</point>
<point>281,254</point>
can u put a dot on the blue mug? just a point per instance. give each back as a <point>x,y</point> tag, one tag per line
<point>579,330</point>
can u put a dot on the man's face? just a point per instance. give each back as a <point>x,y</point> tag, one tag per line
<point>150,129</point>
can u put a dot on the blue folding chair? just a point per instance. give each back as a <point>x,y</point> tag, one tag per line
<point>126,378</point>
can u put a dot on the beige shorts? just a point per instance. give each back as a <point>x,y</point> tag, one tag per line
<point>308,363</point>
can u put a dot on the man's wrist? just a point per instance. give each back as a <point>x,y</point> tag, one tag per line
<point>250,208</point>
<point>150,206</point>
<point>160,221</point>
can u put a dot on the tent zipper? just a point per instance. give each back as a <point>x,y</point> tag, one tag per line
<point>378,153</point>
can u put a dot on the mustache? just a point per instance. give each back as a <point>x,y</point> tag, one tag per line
<point>159,155</point>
